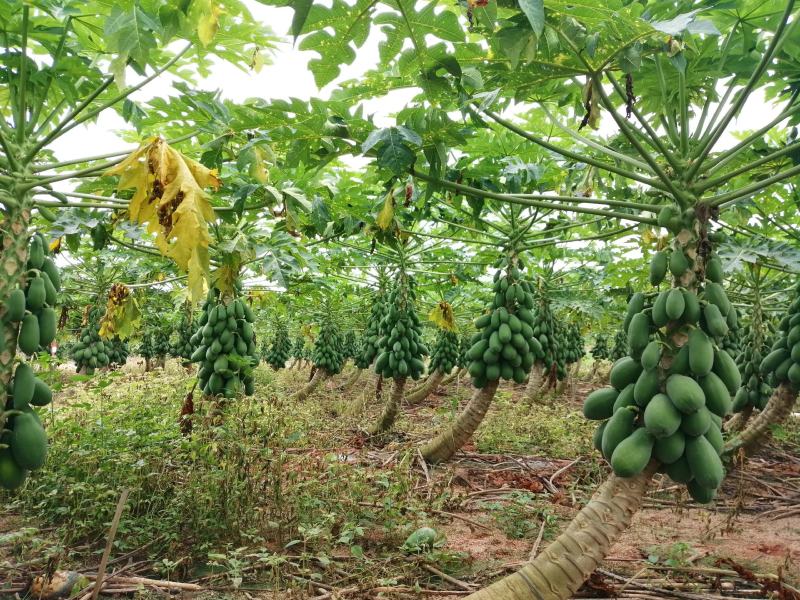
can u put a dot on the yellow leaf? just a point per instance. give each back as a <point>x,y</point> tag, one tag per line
<point>257,62</point>
<point>122,314</point>
<point>55,246</point>
<point>386,216</point>
<point>170,199</point>
<point>208,25</point>
<point>442,316</point>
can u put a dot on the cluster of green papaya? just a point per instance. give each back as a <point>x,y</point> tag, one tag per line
<point>328,348</point>
<point>620,347</point>
<point>226,347</point>
<point>155,343</point>
<point>545,332</point>
<point>666,400</point>
<point>571,347</point>
<point>23,443</point>
<point>400,347</point>
<point>117,351</point>
<point>755,390</point>
<point>600,350</point>
<point>733,342</point>
<point>372,334</point>
<point>299,348</point>
<point>350,344</point>
<point>23,440</point>
<point>281,347</point>
<point>509,338</point>
<point>32,307</point>
<point>90,351</point>
<point>444,356</point>
<point>462,362</point>
<point>182,347</point>
<point>782,364</point>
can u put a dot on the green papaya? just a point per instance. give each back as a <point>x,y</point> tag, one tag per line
<point>679,471</point>
<point>15,306</point>
<point>632,454</point>
<point>28,442</point>
<point>701,352</point>
<point>635,306</point>
<point>638,333</point>
<point>685,393</point>
<point>617,428</point>
<point>35,298</point>
<point>23,386</point>
<point>718,398</point>
<point>625,397</point>
<point>646,387</point>
<point>651,356</point>
<point>661,418</point>
<point>714,270</point>
<point>725,367</point>
<point>715,322</point>
<point>700,493</point>
<point>36,253</point>
<point>48,322</point>
<point>658,268</point>
<point>704,462</point>
<point>42,395</point>
<point>678,263</point>
<point>49,267</point>
<point>624,371</point>
<point>675,304</point>
<point>691,311</point>
<point>670,448</point>
<point>599,404</point>
<point>28,340</point>
<point>12,475</point>
<point>696,423</point>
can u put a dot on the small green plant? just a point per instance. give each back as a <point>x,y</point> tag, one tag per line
<point>673,555</point>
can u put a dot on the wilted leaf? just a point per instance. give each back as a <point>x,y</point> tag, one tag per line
<point>122,314</point>
<point>442,316</point>
<point>170,199</point>
<point>386,216</point>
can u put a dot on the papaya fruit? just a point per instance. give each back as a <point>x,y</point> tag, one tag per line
<point>632,454</point>
<point>12,475</point>
<point>675,304</point>
<point>35,253</point>
<point>635,306</point>
<point>48,322</point>
<point>715,294</point>
<point>638,333</point>
<point>696,423</point>
<point>658,268</point>
<point>726,369</point>
<point>23,386</point>
<point>36,296</point>
<point>616,429</point>
<point>659,314</point>
<point>679,471</point>
<point>661,418</point>
<point>646,387</point>
<point>51,270</point>
<point>704,462</point>
<point>624,371</point>
<point>691,311</point>
<point>685,393</point>
<point>715,322</point>
<point>651,356</point>
<point>15,306</point>
<point>625,398</point>
<point>597,436</point>
<point>42,395</point>
<point>700,493</point>
<point>670,448</point>
<point>718,398</point>
<point>701,352</point>
<point>678,263</point>
<point>714,270</point>
<point>28,442</point>
<point>28,340</point>
<point>714,437</point>
<point>599,404</point>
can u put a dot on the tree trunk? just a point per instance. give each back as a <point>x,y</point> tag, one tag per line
<point>347,385</point>
<point>303,393</point>
<point>775,412</point>
<point>391,409</point>
<point>14,258</point>
<point>430,385</point>
<point>558,572</point>
<point>533,388</point>
<point>447,443</point>
<point>450,378</point>
<point>739,420</point>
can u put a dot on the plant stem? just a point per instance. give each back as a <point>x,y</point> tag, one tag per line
<point>626,131</point>
<point>749,166</point>
<point>653,136</point>
<point>74,174</point>
<point>573,155</point>
<point>707,144</point>
<point>471,191</point>
<point>23,77</point>
<point>724,200</point>
<point>64,126</point>
<point>592,144</point>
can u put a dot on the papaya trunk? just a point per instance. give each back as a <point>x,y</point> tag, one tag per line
<point>534,383</point>
<point>14,257</point>
<point>450,378</point>
<point>450,441</point>
<point>430,385</point>
<point>739,420</point>
<point>391,409</point>
<point>352,380</point>
<point>319,376</point>
<point>558,572</point>
<point>775,412</point>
